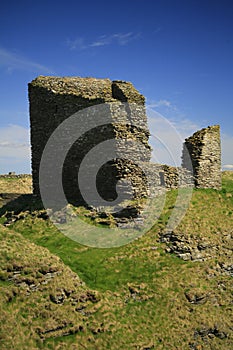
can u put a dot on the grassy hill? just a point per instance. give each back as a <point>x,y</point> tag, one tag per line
<point>165,290</point>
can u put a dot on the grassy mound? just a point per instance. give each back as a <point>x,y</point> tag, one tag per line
<point>58,294</point>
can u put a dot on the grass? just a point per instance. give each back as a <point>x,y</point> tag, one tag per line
<point>145,296</point>
<point>16,185</point>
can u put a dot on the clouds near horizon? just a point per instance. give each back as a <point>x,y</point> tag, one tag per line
<point>14,149</point>
<point>227,154</point>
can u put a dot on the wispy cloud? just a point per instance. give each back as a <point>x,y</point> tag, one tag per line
<point>121,39</point>
<point>167,137</point>
<point>76,44</point>
<point>159,103</point>
<point>185,126</point>
<point>168,109</point>
<point>13,61</point>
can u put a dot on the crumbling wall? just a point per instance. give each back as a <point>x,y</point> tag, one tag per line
<point>54,99</point>
<point>202,155</point>
<point>175,177</point>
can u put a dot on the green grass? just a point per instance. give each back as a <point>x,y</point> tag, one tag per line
<point>10,179</point>
<point>227,182</point>
<point>97,267</point>
<point>142,289</point>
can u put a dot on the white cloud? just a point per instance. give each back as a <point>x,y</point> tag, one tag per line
<point>160,103</point>
<point>124,39</point>
<point>164,106</point>
<point>7,144</point>
<point>227,167</point>
<point>118,38</point>
<point>12,61</point>
<point>14,149</point>
<point>185,127</point>
<point>166,139</point>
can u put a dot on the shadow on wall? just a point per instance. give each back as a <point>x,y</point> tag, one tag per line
<point>54,99</point>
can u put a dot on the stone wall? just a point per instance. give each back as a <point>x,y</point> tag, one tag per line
<point>202,155</point>
<point>175,177</point>
<point>54,99</point>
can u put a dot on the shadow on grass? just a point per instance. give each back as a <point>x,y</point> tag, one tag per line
<point>19,202</point>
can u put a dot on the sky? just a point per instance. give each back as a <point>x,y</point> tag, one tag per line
<point>177,53</point>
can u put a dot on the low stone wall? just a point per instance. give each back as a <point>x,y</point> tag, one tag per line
<point>175,177</point>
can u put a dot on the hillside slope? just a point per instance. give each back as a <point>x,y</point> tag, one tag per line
<point>166,290</point>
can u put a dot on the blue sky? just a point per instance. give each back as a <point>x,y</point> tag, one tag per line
<point>178,53</point>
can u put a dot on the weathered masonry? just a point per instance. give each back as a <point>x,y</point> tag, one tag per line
<point>202,155</point>
<point>54,99</point>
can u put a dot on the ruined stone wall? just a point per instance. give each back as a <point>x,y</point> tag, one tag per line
<point>202,154</point>
<point>175,177</point>
<point>54,99</point>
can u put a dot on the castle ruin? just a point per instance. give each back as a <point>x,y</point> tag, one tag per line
<point>54,99</point>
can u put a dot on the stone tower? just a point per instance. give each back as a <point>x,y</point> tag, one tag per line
<point>202,155</point>
<point>54,99</point>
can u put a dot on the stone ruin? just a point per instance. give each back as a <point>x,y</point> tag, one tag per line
<point>202,155</point>
<point>54,99</point>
